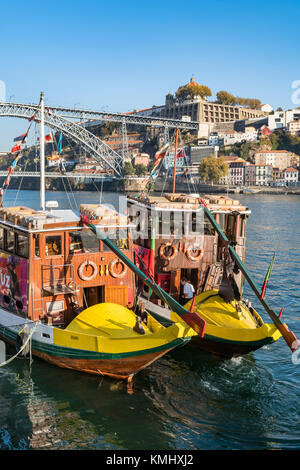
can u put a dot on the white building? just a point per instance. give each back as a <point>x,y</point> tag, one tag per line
<point>233,137</point>
<point>264,175</point>
<point>291,175</point>
<point>281,119</point>
<point>266,108</point>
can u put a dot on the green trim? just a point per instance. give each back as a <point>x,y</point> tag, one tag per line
<point>72,353</point>
<point>260,342</point>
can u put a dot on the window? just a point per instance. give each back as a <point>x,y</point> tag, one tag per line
<point>83,242</point>
<point>37,246</point>
<point>1,237</point>
<point>10,240</point>
<point>53,245</point>
<point>22,245</point>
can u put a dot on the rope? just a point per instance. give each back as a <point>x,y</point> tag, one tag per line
<point>23,347</point>
<point>18,191</point>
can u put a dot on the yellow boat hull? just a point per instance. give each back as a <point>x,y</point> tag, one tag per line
<point>102,340</point>
<point>231,328</point>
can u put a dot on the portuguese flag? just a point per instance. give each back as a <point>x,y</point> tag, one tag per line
<point>263,289</point>
<point>152,255</point>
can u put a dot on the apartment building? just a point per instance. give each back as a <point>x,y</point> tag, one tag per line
<point>250,175</point>
<point>264,175</point>
<point>291,175</point>
<point>293,128</point>
<point>281,119</point>
<point>276,158</point>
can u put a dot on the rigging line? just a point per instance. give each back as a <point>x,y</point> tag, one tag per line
<point>68,180</point>
<point>63,182</point>
<point>18,191</point>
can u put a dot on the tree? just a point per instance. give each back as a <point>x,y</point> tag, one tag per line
<point>224,97</point>
<point>212,169</point>
<point>140,169</point>
<point>191,90</point>
<point>128,169</point>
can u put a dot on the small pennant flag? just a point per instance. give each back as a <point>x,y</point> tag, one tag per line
<point>162,152</point>
<point>263,290</point>
<point>21,138</point>
<point>48,138</point>
<point>59,143</point>
<point>16,148</point>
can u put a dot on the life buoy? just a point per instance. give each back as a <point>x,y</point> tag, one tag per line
<point>162,251</point>
<point>112,268</point>
<point>81,272</point>
<point>194,247</point>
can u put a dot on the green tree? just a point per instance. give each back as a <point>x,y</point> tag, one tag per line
<point>128,169</point>
<point>224,97</point>
<point>191,90</point>
<point>212,169</point>
<point>140,170</point>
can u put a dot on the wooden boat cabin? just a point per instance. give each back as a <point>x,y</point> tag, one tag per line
<point>52,267</point>
<point>196,256</point>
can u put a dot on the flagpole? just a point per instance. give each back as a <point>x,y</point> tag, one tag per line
<point>175,158</point>
<point>42,154</point>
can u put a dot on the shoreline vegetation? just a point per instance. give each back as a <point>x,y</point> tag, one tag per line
<point>136,185</point>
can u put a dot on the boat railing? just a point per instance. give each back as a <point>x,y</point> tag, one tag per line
<point>58,279</point>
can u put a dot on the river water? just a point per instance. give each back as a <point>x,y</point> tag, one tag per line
<point>188,399</point>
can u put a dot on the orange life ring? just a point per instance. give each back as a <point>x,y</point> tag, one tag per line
<point>112,271</point>
<point>163,248</point>
<point>194,247</point>
<point>81,268</point>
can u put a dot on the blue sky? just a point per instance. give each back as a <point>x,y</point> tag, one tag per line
<point>125,55</point>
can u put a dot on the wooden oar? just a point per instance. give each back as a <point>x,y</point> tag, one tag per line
<point>194,320</point>
<point>288,335</point>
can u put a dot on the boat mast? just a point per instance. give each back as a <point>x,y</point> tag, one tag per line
<point>42,154</point>
<point>175,158</point>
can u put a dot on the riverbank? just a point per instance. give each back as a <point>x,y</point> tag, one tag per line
<point>135,184</point>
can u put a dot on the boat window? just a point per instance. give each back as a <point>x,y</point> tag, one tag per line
<point>22,245</point>
<point>208,227</point>
<point>53,245</point>
<point>242,223</point>
<point>230,229</point>
<point>83,242</point>
<point>10,240</point>
<point>222,221</point>
<point>37,246</point>
<point>120,238</point>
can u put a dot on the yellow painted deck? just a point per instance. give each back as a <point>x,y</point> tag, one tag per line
<point>108,328</point>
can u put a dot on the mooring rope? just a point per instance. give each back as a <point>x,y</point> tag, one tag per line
<point>23,347</point>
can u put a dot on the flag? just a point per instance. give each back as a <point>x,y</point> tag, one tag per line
<point>21,138</point>
<point>49,137</point>
<point>59,143</point>
<point>16,148</point>
<point>263,290</point>
<point>180,154</point>
<point>162,152</point>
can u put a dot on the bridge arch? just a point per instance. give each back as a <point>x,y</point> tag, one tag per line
<point>100,151</point>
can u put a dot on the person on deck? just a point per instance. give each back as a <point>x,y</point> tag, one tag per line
<point>188,291</point>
